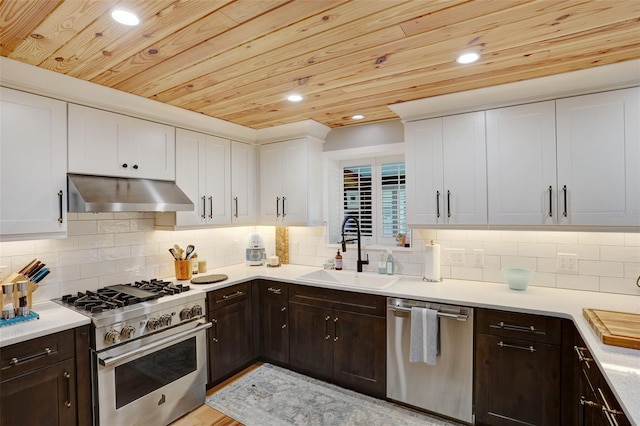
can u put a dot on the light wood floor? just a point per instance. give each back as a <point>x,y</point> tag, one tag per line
<point>207,416</point>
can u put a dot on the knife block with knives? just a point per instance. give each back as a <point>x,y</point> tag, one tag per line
<point>14,278</point>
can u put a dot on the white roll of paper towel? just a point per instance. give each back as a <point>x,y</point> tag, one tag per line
<point>432,262</point>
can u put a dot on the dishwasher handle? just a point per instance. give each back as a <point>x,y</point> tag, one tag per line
<point>462,316</point>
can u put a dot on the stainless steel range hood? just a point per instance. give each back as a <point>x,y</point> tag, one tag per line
<point>113,194</point>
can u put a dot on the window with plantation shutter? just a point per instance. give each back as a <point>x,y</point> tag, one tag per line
<point>393,203</point>
<point>373,191</point>
<point>358,198</point>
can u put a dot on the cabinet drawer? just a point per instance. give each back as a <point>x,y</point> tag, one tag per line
<point>273,290</point>
<point>337,299</point>
<point>229,295</point>
<point>514,325</point>
<point>36,353</point>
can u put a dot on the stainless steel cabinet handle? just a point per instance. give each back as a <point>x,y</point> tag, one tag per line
<point>275,290</point>
<point>16,361</point>
<point>277,206</point>
<point>524,348</point>
<point>233,295</point>
<point>214,324</point>
<point>204,207</point>
<point>585,401</point>
<point>525,329</point>
<point>67,378</point>
<point>284,213</point>
<point>284,311</point>
<point>609,412</point>
<point>580,351</point>
<point>550,201</point>
<point>564,192</point>
<point>235,199</point>
<point>335,329</point>
<point>60,217</point>
<point>448,203</point>
<point>437,203</point>
<point>327,336</point>
<point>210,207</point>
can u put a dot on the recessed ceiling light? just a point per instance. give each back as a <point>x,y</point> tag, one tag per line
<point>467,58</point>
<point>294,98</point>
<point>357,117</point>
<point>125,17</point>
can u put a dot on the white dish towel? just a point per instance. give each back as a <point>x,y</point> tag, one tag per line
<point>425,336</point>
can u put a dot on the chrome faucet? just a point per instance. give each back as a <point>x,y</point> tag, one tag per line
<point>344,242</point>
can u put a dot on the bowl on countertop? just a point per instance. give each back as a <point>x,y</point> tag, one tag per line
<point>517,278</point>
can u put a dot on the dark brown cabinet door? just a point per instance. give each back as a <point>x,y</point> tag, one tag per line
<point>43,397</point>
<point>311,339</point>
<point>274,321</point>
<point>360,352</point>
<point>517,382</point>
<point>230,338</point>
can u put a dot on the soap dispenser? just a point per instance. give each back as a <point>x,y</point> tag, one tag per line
<point>390,262</point>
<point>382,263</point>
<point>338,261</point>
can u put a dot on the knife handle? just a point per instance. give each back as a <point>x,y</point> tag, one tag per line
<point>41,275</point>
<point>30,270</point>
<point>29,265</point>
<point>36,270</point>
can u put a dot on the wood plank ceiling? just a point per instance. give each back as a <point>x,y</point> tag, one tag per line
<point>237,59</point>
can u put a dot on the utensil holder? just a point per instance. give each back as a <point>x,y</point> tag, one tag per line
<point>14,278</point>
<point>183,269</point>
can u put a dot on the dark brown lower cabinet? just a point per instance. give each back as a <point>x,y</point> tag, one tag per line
<point>231,336</point>
<point>40,384</point>
<point>272,321</point>
<point>517,369</point>
<point>588,398</point>
<point>340,337</point>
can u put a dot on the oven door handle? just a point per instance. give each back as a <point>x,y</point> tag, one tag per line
<point>114,359</point>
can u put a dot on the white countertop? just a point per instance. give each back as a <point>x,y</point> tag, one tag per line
<point>53,318</point>
<point>620,366</point>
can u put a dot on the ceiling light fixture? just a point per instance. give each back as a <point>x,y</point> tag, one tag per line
<point>294,98</point>
<point>468,58</point>
<point>357,117</point>
<point>125,17</point>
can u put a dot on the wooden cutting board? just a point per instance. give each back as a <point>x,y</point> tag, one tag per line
<point>615,328</point>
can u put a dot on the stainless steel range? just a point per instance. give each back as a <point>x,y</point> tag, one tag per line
<point>148,351</point>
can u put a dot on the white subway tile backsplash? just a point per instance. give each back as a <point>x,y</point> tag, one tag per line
<point>619,285</point>
<point>518,262</point>
<point>519,236</point>
<point>632,240</point>
<point>584,251</point>
<point>79,257</point>
<point>620,253</point>
<point>94,216</point>
<point>90,270</point>
<point>113,226</point>
<point>128,239</point>
<point>142,224</point>
<point>464,273</point>
<point>632,270</point>
<point>96,241</point>
<point>558,237</point>
<point>79,227</point>
<point>500,248</point>
<point>537,250</point>
<point>578,282</point>
<point>599,268</point>
<point>601,238</point>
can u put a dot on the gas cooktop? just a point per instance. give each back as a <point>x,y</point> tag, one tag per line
<point>121,295</point>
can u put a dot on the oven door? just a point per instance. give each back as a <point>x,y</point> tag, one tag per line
<point>154,383</point>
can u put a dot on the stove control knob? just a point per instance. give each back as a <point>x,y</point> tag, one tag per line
<point>127,331</point>
<point>165,320</point>
<point>153,324</point>
<point>111,337</point>
<point>196,311</point>
<point>185,314</point>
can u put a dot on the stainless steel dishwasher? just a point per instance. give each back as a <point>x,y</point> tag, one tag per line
<point>445,388</point>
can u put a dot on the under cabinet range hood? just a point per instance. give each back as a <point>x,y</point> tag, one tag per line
<point>115,194</point>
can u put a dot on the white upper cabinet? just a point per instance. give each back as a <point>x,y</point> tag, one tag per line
<point>521,164</point>
<point>203,172</point>
<point>33,173</point>
<point>110,144</point>
<point>291,182</point>
<point>243,183</point>
<point>599,158</point>
<point>446,170</point>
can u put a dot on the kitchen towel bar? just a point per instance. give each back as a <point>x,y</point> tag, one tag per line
<point>462,316</point>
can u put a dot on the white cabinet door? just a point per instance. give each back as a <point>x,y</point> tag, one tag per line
<point>33,176</point>
<point>243,183</point>
<point>217,158</point>
<point>599,158</point>
<point>291,182</point>
<point>521,164</point>
<point>190,176</point>
<point>446,170</point>
<point>465,169</point>
<point>203,173</point>
<point>424,172</point>
<point>110,144</point>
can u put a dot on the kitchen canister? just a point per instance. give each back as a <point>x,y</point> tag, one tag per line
<point>432,263</point>
<point>184,270</point>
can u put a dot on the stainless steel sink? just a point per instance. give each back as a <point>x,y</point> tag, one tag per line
<point>349,278</point>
